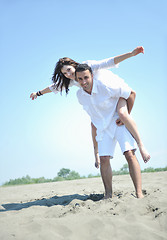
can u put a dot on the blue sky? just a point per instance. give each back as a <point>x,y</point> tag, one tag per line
<point>40,137</point>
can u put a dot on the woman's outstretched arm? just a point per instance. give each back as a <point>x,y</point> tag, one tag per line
<point>125,56</point>
<point>34,95</point>
<point>113,61</point>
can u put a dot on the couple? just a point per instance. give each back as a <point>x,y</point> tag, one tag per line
<point>108,101</point>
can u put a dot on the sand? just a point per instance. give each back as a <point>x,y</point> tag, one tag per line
<point>73,210</point>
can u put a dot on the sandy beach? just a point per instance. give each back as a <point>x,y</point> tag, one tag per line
<point>74,210</point>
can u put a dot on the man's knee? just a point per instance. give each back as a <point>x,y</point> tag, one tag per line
<point>130,155</point>
<point>104,160</point>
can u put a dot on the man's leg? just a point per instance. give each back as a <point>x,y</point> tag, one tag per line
<point>135,172</point>
<point>106,174</point>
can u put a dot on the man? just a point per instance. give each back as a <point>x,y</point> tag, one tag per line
<point>99,97</point>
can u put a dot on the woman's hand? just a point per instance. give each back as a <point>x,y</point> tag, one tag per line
<point>33,95</point>
<point>122,57</point>
<point>137,51</point>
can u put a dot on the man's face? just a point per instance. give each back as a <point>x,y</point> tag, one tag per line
<point>85,79</point>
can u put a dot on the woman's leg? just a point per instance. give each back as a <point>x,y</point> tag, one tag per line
<point>96,152</point>
<point>131,126</point>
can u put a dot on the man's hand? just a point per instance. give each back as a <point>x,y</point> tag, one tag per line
<point>97,160</point>
<point>137,51</point>
<point>119,122</point>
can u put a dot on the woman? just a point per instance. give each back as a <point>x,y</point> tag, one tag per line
<point>64,77</point>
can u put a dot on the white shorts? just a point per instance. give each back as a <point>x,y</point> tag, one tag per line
<point>122,135</point>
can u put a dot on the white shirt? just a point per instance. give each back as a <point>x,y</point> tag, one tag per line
<point>95,65</point>
<point>101,104</point>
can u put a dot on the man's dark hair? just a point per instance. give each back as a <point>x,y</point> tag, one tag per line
<point>83,67</point>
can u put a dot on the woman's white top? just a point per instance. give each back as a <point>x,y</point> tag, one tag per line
<point>95,66</point>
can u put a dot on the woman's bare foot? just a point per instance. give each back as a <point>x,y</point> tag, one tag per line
<point>145,155</point>
<point>97,160</point>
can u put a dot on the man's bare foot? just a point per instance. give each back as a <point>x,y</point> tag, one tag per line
<point>107,196</point>
<point>97,160</point>
<point>139,195</point>
<point>145,155</point>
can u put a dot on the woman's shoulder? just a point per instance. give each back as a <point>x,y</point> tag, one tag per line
<point>90,62</point>
<point>74,83</point>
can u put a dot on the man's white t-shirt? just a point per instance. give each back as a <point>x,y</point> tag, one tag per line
<point>101,104</point>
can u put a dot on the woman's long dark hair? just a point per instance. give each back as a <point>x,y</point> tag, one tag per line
<point>58,78</point>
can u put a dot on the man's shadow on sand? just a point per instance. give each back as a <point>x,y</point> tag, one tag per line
<point>64,201</point>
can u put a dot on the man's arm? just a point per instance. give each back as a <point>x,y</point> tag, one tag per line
<point>95,145</point>
<point>122,57</point>
<point>130,101</point>
<point>44,91</point>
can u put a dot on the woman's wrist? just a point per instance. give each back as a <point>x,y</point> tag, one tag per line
<point>39,93</point>
<point>132,54</point>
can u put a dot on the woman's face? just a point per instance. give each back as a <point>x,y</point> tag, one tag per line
<point>68,71</point>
